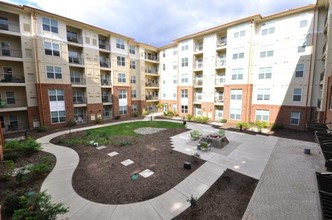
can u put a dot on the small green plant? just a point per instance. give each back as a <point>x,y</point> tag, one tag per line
<point>38,206</point>
<point>145,112</point>
<point>12,200</point>
<point>99,120</point>
<point>9,169</point>
<point>15,149</point>
<point>123,143</point>
<point>261,124</point>
<point>135,114</point>
<point>70,124</point>
<point>244,125</point>
<point>201,119</point>
<point>117,117</point>
<point>193,201</point>
<point>42,129</point>
<point>190,117</point>
<point>277,126</point>
<point>38,169</point>
<point>224,120</point>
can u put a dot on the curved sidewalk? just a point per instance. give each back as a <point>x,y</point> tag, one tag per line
<point>166,206</point>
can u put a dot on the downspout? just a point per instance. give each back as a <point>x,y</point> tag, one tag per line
<point>326,97</point>
<point>249,98</point>
<point>310,66</point>
<point>40,93</point>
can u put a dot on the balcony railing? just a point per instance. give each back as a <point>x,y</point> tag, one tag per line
<point>324,48</point>
<point>150,97</point>
<point>219,98</point>
<point>149,84</point>
<point>76,60</point>
<point>80,119</point>
<point>198,97</point>
<point>10,26</point>
<point>105,63</point>
<point>220,80</point>
<point>73,39</point>
<point>198,82</point>
<point>79,100</point>
<point>14,127</point>
<point>106,98</point>
<point>104,46</point>
<point>7,52</point>
<point>78,80</point>
<point>8,78</point>
<point>221,62</point>
<point>199,47</point>
<point>222,42</point>
<point>321,78</point>
<point>198,65</point>
<point>106,81</point>
<point>151,71</point>
<point>219,114</point>
<point>151,57</point>
<point>107,116</point>
<point>12,103</point>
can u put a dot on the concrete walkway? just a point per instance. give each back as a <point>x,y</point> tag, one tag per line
<point>247,154</point>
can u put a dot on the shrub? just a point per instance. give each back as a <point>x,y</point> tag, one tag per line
<point>38,206</point>
<point>169,113</point>
<point>70,124</point>
<point>15,149</point>
<point>99,120</point>
<point>201,119</point>
<point>12,200</point>
<point>192,201</point>
<point>9,168</point>
<point>38,169</point>
<point>42,129</point>
<point>117,117</point>
<point>244,124</point>
<point>190,117</point>
<point>123,143</point>
<point>224,120</point>
<point>135,114</point>
<point>261,124</point>
<point>145,112</point>
<point>277,126</point>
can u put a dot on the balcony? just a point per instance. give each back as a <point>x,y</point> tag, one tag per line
<point>74,36</point>
<point>219,98</point>
<point>198,97</point>
<point>79,100</point>
<point>221,63</point>
<point>151,98</point>
<point>221,42</point>
<point>74,39</point>
<point>15,127</point>
<point>12,104</point>
<point>80,118</point>
<point>198,82</point>
<point>9,22</point>
<point>104,62</point>
<point>104,46</point>
<point>9,78</point>
<point>8,52</point>
<point>78,80</point>
<point>106,81</point>
<point>151,71</point>
<point>151,84</point>
<point>220,80</point>
<point>198,65</point>
<point>76,60</point>
<point>151,57</point>
<point>218,114</point>
<point>198,48</point>
<point>106,98</point>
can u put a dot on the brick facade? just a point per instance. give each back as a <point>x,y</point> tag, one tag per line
<point>33,114</point>
<point>94,111</point>
<point>190,99</point>
<point>116,109</point>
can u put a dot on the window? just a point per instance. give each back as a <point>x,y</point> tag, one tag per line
<point>120,44</point>
<point>123,110</point>
<point>265,73</point>
<point>121,61</point>
<point>164,54</point>
<point>184,108</point>
<point>134,108</point>
<point>237,74</point>
<point>184,78</point>
<point>184,47</point>
<point>263,94</point>
<point>133,79</point>
<point>10,97</point>
<point>302,46</point>
<point>13,122</point>
<point>58,116</point>
<point>78,97</point>
<point>4,23</point>
<point>184,93</point>
<point>267,31</point>
<point>297,94</point>
<point>53,72</point>
<point>238,53</point>
<point>295,118</point>
<point>133,94</point>
<point>267,53</point>
<point>132,49</point>
<point>235,114</point>
<point>262,115</point>
<point>5,48</point>
<point>239,34</point>
<point>132,64</point>
<point>175,80</point>
<point>52,49</point>
<point>50,25</point>
<point>175,52</point>
<point>175,65</point>
<point>122,94</point>
<point>236,94</point>
<point>164,66</point>
<point>75,77</point>
<point>121,77</point>
<point>303,23</point>
<point>184,62</point>
<point>299,71</point>
<point>56,95</point>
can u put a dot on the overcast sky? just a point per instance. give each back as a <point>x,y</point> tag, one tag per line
<point>158,22</point>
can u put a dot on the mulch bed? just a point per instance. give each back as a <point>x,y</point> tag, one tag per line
<point>104,179</point>
<point>227,198</point>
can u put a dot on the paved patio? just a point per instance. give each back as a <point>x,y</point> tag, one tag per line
<point>247,154</point>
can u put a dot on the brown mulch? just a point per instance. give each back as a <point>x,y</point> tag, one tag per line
<point>104,179</point>
<point>227,198</point>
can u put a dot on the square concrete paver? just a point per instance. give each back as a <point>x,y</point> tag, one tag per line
<point>146,173</point>
<point>112,154</point>
<point>100,147</point>
<point>127,162</point>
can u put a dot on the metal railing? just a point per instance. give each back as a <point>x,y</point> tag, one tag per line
<point>198,65</point>
<point>8,52</point>
<point>12,103</point>
<point>10,26</point>
<point>199,47</point>
<point>104,46</point>
<point>76,60</point>
<point>220,80</point>
<point>150,97</point>
<point>106,81</point>
<point>78,80</point>
<point>106,98</point>
<point>77,39</point>
<point>150,84</point>
<point>198,97</point>
<point>222,42</point>
<point>14,127</point>
<point>221,62</point>
<point>151,70</point>
<point>219,98</point>
<point>79,100</point>
<point>198,82</point>
<point>152,57</point>
<point>9,78</point>
<point>105,63</point>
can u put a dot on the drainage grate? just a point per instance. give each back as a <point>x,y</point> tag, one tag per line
<point>324,181</point>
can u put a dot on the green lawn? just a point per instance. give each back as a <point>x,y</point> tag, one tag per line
<point>104,135</point>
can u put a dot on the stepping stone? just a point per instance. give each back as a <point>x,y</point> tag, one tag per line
<point>100,147</point>
<point>146,173</point>
<point>127,162</point>
<point>112,154</point>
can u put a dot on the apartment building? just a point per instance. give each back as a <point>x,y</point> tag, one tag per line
<point>54,69</point>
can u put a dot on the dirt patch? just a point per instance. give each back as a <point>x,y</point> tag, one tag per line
<point>101,178</point>
<point>227,198</point>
